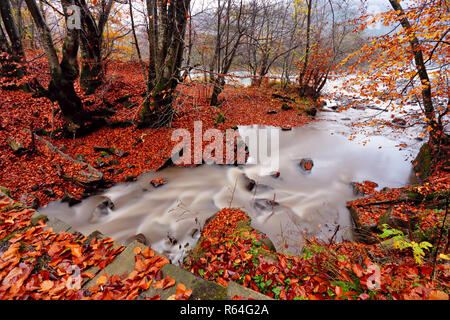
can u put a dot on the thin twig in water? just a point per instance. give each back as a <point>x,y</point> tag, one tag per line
<point>232,194</point>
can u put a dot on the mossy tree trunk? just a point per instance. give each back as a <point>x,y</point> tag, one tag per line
<point>92,60</point>
<point>13,54</point>
<point>63,74</point>
<point>166,30</point>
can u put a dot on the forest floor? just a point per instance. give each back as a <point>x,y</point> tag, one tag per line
<point>31,257</point>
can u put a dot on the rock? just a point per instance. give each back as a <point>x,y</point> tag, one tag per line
<point>286,107</point>
<point>158,182</point>
<point>130,178</point>
<point>306,164</point>
<point>16,146</point>
<point>70,199</point>
<point>49,193</point>
<point>286,128</point>
<point>121,154</point>
<point>113,162</point>
<point>346,119</point>
<point>311,112</point>
<point>5,191</point>
<point>102,210</point>
<point>139,238</point>
<point>30,200</point>
<point>391,221</point>
<point>265,206</point>
<point>399,121</point>
<point>104,149</point>
<point>118,171</point>
<point>423,163</point>
<point>99,163</point>
<point>275,174</point>
<point>272,112</point>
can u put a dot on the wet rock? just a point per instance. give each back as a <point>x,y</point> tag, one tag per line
<point>275,174</point>
<point>102,210</point>
<point>30,200</point>
<point>399,121</point>
<point>130,178</point>
<point>306,164</point>
<point>311,112</point>
<point>70,199</point>
<point>139,238</point>
<point>118,171</point>
<point>49,193</point>
<point>286,107</point>
<point>248,183</point>
<point>113,162</point>
<point>158,182</point>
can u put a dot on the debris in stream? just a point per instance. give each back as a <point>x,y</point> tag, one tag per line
<point>306,164</point>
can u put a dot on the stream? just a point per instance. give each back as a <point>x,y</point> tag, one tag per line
<point>289,208</point>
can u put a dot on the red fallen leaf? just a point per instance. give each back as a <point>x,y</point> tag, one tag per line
<point>165,283</point>
<point>222,281</point>
<point>182,293</point>
<point>358,270</point>
<point>148,253</point>
<point>46,285</point>
<point>438,295</point>
<point>139,265</point>
<point>236,297</point>
<point>102,280</point>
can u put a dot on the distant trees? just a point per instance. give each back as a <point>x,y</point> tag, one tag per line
<point>271,34</point>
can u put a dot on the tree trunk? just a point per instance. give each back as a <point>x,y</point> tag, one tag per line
<point>436,130</point>
<point>167,26</point>
<point>14,54</point>
<point>92,72</point>
<point>63,75</point>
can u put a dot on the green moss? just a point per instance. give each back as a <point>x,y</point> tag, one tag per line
<point>5,191</point>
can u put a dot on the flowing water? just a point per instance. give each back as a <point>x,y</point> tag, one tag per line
<point>306,203</point>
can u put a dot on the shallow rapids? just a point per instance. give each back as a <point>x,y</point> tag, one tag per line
<point>288,208</point>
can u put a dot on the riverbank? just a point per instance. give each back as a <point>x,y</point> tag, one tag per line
<point>400,251</point>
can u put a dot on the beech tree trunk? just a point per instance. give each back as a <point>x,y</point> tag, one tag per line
<point>63,75</point>
<point>167,26</point>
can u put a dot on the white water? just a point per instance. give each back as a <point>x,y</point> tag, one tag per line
<point>307,204</point>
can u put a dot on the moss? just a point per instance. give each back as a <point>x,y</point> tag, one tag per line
<point>5,191</point>
<point>423,163</point>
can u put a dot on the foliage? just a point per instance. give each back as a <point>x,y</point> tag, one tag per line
<point>400,242</point>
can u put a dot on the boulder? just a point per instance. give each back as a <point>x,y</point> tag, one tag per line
<point>306,164</point>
